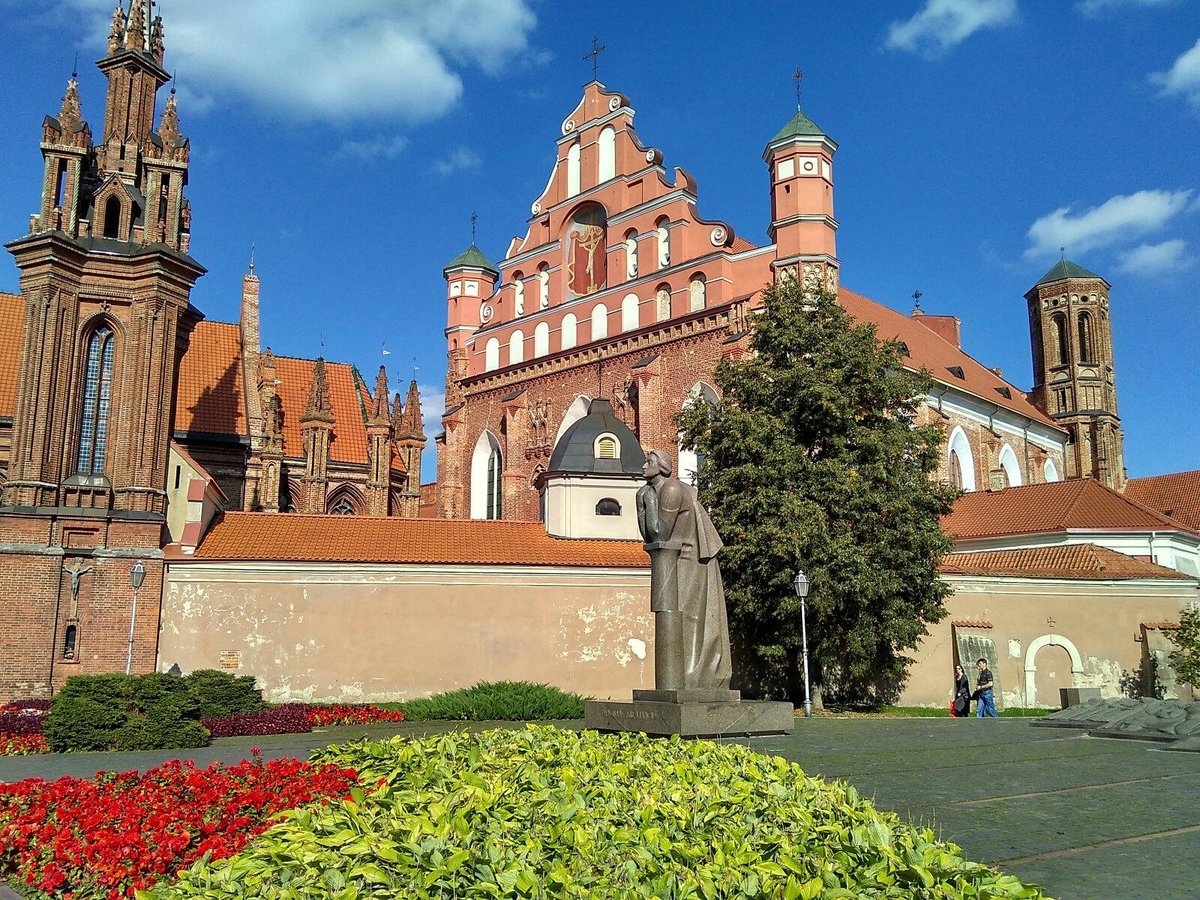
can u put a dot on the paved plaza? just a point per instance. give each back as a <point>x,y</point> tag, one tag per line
<point>1084,817</point>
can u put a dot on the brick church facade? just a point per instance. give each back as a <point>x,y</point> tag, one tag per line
<point>620,289</point>
<point>127,421</point>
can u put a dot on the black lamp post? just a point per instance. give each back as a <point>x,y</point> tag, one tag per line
<point>802,584</point>
<point>136,576</point>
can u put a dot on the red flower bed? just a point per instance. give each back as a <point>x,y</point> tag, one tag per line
<point>14,722</point>
<point>120,833</point>
<point>321,716</point>
<point>18,705</point>
<point>22,744</point>
<point>291,718</point>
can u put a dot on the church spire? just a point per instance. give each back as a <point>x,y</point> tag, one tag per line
<point>318,408</point>
<point>411,422</point>
<point>135,34</point>
<point>117,31</point>
<point>380,412</point>
<point>70,114</point>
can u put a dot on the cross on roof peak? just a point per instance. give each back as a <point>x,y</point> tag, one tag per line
<point>474,220</point>
<point>798,77</point>
<point>594,56</point>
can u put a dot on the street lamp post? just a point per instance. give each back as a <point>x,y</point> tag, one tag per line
<point>802,584</point>
<point>136,576</point>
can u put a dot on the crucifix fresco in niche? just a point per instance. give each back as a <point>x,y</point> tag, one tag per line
<point>587,269</point>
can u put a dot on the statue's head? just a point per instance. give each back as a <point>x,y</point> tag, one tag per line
<point>657,463</point>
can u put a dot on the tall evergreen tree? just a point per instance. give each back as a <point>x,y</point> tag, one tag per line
<point>812,460</point>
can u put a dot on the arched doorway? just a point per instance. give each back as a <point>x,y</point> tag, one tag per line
<point>1051,662</point>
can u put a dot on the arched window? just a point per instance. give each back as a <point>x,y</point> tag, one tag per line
<point>629,313</point>
<point>576,411</point>
<point>97,398</point>
<point>541,339</point>
<point>697,290</point>
<point>631,254</point>
<point>662,300</point>
<point>585,242</point>
<point>599,321</point>
<point>607,155</point>
<point>569,337</point>
<point>1086,349</point>
<point>663,234</point>
<point>112,217</point>
<point>345,501</point>
<point>1060,340</point>
<point>606,447</point>
<point>71,635</point>
<point>491,355</point>
<point>962,463</point>
<point>487,465</point>
<point>1050,471</point>
<point>608,507</point>
<point>518,294</point>
<point>1010,466</point>
<point>573,170</point>
<point>543,286</point>
<point>516,348</point>
<point>690,462</point>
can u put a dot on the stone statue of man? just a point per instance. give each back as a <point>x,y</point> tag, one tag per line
<point>691,631</point>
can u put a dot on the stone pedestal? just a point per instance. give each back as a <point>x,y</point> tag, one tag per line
<point>703,717</point>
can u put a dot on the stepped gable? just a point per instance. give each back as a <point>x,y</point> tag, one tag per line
<point>12,324</point>
<point>928,350</point>
<point>1176,495</point>
<point>1086,561</point>
<point>370,539</point>
<point>211,397</point>
<point>1082,504</point>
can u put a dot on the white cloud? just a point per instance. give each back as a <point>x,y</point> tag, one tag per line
<point>342,61</point>
<point>433,404</point>
<point>1183,78</point>
<point>943,24</point>
<point>1154,259</point>
<point>1095,8</point>
<point>1118,219</point>
<point>461,159</point>
<point>375,148</point>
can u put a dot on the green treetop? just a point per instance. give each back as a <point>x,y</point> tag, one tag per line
<point>811,460</point>
<point>1186,656</point>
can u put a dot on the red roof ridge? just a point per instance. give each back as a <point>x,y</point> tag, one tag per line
<point>333,517</point>
<point>1184,473</point>
<point>1174,523</point>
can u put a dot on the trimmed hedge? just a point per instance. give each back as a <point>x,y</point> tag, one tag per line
<point>124,712</point>
<point>222,694</point>
<point>547,813</point>
<point>497,701</point>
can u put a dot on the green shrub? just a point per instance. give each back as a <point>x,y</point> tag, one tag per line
<point>499,701</point>
<point>124,712</point>
<point>548,813</point>
<point>222,694</point>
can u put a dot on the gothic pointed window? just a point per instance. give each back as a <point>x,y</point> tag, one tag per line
<point>97,398</point>
<point>1085,338</point>
<point>495,467</point>
<point>1060,340</point>
<point>112,217</point>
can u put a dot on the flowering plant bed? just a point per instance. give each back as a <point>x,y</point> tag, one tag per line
<point>322,716</point>
<point>298,718</point>
<point>22,744</point>
<point>22,727</point>
<point>119,833</point>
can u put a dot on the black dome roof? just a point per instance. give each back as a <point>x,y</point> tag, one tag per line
<point>576,453</point>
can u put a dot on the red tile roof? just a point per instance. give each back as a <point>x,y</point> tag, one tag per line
<point>928,350</point>
<point>1176,495</point>
<point>349,442</point>
<point>1078,504</point>
<point>305,538</point>
<point>1086,561</point>
<point>12,325</point>
<point>211,394</point>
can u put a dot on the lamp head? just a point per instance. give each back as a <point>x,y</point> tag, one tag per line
<point>137,574</point>
<point>801,584</point>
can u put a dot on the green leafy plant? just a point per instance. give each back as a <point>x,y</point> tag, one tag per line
<point>498,701</point>
<point>814,458</point>
<point>221,694</point>
<point>124,712</point>
<point>548,813</point>
<point>1185,658</point>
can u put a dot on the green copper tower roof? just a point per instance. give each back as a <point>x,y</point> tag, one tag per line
<point>472,258</point>
<point>1064,268</point>
<point>799,125</point>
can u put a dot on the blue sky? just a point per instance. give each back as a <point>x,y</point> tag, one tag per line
<point>351,141</point>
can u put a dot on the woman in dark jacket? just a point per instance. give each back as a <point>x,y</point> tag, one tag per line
<point>962,693</point>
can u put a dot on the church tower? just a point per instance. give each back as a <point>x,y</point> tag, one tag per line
<point>800,161</point>
<point>1073,377</point>
<point>106,277</point>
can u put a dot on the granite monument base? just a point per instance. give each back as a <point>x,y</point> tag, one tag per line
<point>661,717</point>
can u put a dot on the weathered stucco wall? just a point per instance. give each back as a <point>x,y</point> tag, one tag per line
<point>1048,633</point>
<point>381,632</point>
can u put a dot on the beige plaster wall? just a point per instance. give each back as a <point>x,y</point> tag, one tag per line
<point>1100,619</point>
<point>362,633</point>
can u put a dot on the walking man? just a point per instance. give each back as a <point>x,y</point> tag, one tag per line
<point>986,705</point>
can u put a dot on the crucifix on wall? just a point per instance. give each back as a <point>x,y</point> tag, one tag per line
<point>76,574</point>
